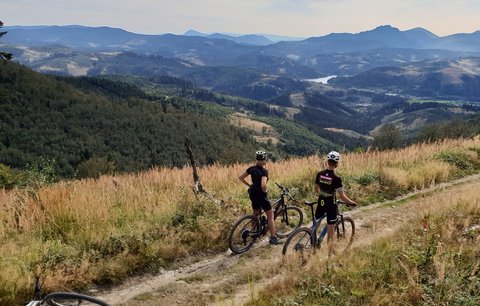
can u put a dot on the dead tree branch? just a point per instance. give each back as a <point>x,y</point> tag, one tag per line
<point>197,184</point>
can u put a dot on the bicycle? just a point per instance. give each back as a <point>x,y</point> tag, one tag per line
<point>62,298</point>
<point>249,228</point>
<point>304,241</point>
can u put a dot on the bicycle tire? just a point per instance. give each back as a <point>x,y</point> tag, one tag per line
<point>241,241</point>
<point>298,246</point>
<point>67,298</point>
<point>344,234</point>
<point>295,220</point>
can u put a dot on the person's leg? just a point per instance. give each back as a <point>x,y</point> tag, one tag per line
<point>256,204</point>
<point>271,223</point>
<point>331,221</point>
<point>267,207</point>
<point>330,233</point>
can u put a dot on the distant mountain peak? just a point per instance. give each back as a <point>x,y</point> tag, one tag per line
<point>385,28</point>
<point>423,31</point>
<point>194,33</point>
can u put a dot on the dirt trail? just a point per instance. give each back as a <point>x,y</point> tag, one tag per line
<point>227,279</point>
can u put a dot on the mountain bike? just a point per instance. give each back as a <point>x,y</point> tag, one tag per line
<point>249,228</point>
<point>62,298</point>
<point>304,241</point>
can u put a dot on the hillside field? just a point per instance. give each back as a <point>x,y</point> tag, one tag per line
<point>100,231</point>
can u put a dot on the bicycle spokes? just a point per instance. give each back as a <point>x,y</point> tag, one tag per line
<point>298,248</point>
<point>286,221</point>
<point>343,235</point>
<point>244,232</point>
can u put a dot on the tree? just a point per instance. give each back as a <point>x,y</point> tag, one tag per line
<point>387,137</point>
<point>3,55</point>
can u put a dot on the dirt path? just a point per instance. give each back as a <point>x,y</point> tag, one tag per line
<point>227,279</point>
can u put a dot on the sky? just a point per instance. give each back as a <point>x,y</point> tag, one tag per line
<point>300,18</point>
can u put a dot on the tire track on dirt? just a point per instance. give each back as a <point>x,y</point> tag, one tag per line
<point>227,279</point>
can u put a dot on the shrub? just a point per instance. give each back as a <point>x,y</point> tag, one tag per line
<point>460,160</point>
<point>8,177</point>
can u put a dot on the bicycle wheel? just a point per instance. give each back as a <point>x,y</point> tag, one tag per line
<point>243,234</point>
<point>288,221</point>
<point>71,299</point>
<point>343,235</point>
<point>298,248</point>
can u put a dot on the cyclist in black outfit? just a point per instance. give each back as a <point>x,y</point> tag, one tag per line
<point>327,184</point>
<point>257,191</point>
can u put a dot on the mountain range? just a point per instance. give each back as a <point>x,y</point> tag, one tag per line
<point>106,38</point>
<point>379,74</point>
<point>50,48</point>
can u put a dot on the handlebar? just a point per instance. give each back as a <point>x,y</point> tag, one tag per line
<point>338,202</point>
<point>285,191</point>
<point>346,203</point>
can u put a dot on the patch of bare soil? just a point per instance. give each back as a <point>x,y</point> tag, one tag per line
<point>227,279</point>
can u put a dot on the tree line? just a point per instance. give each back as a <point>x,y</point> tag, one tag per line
<point>43,117</point>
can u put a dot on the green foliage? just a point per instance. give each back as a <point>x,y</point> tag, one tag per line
<point>451,129</point>
<point>42,116</point>
<point>366,179</point>
<point>42,172</point>
<point>298,140</point>
<point>8,177</point>
<point>461,160</point>
<point>94,167</point>
<point>4,56</point>
<point>387,137</point>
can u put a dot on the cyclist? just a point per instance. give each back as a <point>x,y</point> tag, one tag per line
<point>257,191</point>
<point>327,184</point>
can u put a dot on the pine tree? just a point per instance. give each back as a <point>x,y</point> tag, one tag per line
<point>3,55</point>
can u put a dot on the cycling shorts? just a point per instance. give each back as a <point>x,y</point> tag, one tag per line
<point>327,205</point>
<point>260,201</point>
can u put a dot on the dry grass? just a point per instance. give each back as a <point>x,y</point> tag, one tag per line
<point>102,230</point>
<point>432,260</point>
<point>261,131</point>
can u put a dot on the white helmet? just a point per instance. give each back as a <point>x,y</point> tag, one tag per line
<point>261,155</point>
<point>334,155</point>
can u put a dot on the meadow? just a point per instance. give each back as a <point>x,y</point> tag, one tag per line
<point>80,233</point>
<point>430,259</point>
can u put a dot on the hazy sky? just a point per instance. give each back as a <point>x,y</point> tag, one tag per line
<point>282,17</point>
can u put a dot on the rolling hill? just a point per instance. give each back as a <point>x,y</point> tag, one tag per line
<point>446,79</point>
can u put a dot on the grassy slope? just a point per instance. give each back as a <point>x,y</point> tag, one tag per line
<point>101,231</point>
<point>432,259</point>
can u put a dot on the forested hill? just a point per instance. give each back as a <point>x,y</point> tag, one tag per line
<point>43,117</point>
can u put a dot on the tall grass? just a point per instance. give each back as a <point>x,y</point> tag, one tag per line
<point>433,260</point>
<point>100,231</point>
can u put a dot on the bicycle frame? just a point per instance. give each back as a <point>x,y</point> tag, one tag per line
<point>249,228</point>
<point>317,239</point>
<point>278,205</point>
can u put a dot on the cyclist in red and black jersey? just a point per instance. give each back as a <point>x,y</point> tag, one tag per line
<point>257,191</point>
<point>327,185</point>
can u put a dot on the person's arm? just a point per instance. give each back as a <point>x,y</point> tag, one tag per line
<point>317,188</point>
<point>264,184</point>
<point>344,197</point>
<point>243,180</point>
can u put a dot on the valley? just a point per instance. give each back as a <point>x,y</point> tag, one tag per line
<point>96,185</point>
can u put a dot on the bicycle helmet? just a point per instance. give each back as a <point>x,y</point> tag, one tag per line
<point>261,155</point>
<point>334,155</point>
